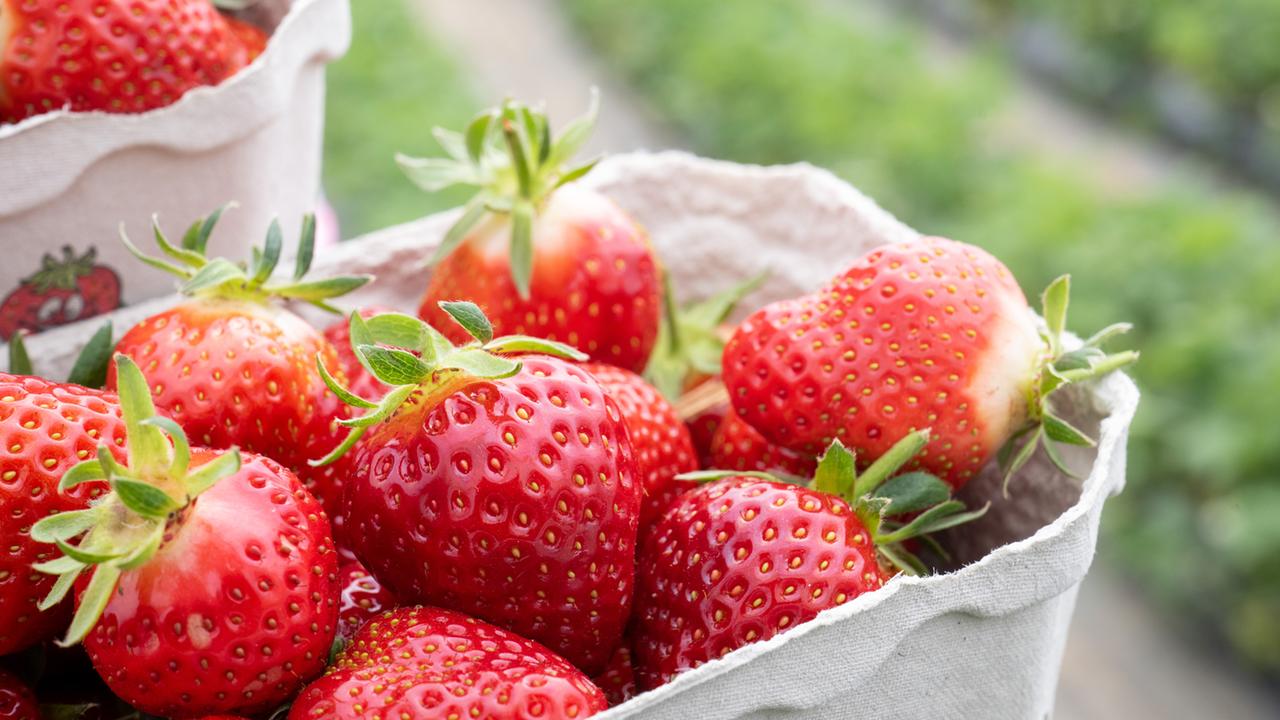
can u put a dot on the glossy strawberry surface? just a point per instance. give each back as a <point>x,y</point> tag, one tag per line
<point>363,598</point>
<point>659,440</point>
<point>17,702</point>
<point>424,663</point>
<point>120,56</point>
<point>515,500</point>
<point>45,429</point>
<point>739,561</point>
<point>737,446</point>
<point>595,282</point>
<point>618,679</point>
<point>929,333</point>
<point>235,611</point>
<point>244,374</point>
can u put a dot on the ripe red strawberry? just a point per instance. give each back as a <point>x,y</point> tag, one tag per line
<point>702,431</point>
<point>17,702</point>
<point>62,291</point>
<point>659,440</point>
<point>737,446</point>
<point>618,680</point>
<point>928,333</point>
<point>363,598</point>
<point>45,429</point>
<point>538,253</point>
<point>498,487</point>
<point>359,380</point>
<point>120,56</point>
<point>235,368</point>
<point>213,583</point>
<point>740,560</point>
<point>423,663</point>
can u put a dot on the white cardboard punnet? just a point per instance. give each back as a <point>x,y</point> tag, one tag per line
<point>256,139</point>
<point>982,641</point>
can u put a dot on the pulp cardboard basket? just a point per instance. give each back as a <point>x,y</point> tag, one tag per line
<point>70,179</point>
<point>984,640</point>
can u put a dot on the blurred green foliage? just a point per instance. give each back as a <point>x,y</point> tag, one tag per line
<point>383,98</point>
<point>1196,269</point>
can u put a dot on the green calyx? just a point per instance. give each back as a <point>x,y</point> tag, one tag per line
<point>124,528</point>
<point>410,355</point>
<point>249,280</point>
<point>893,507</point>
<point>689,340</point>
<point>90,368</point>
<point>510,156</point>
<point>62,274</point>
<point>1061,367</point>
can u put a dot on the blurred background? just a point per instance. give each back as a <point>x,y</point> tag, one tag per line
<point>1133,144</point>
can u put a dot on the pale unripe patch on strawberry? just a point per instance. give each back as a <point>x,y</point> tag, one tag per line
<point>1002,381</point>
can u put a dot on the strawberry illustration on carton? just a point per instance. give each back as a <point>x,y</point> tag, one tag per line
<point>63,290</point>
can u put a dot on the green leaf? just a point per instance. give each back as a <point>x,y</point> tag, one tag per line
<point>1054,302</point>
<point>398,330</point>
<point>90,368</point>
<point>837,470</point>
<point>472,214</point>
<point>1021,457</point>
<point>1055,428</point>
<point>480,363</point>
<point>182,255</point>
<point>92,602</point>
<point>891,462</point>
<point>152,261</point>
<point>201,240</point>
<point>706,476</point>
<point>82,472</point>
<point>1051,450</point>
<point>453,143</point>
<point>59,565</point>
<point>306,247</point>
<point>521,257</point>
<point>394,367</point>
<point>477,134</point>
<point>574,173</point>
<point>208,474</point>
<point>66,580</point>
<point>508,344</point>
<point>143,498</point>
<point>575,134</point>
<point>470,317</point>
<point>436,174</point>
<point>64,525</point>
<point>913,491</point>
<point>519,160</point>
<point>148,450</point>
<point>181,448</point>
<point>266,263</point>
<point>1106,333</point>
<point>216,273</point>
<point>81,555</point>
<point>343,393</point>
<point>900,558</point>
<point>325,289</point>
<point>19,359</point>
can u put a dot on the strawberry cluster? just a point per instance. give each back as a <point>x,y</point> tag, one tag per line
<point>483,510</point>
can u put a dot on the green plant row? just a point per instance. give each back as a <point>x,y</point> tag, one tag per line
<point>778,80</point>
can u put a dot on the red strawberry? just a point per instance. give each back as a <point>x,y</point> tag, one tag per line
<point>17,702</point>
<point>737,446</point>
<point>618,681</point>
<point>423,663</point>
<point>659,439</point>
<point>122,56</point>
<point>501,488</point>
<point>63,291</point>
<point>213,583</point>
<point>234,368</point>
<point>45,429</point>
<point>702,430</point>
<point>363,597</point>
<point>743,559</point>
<point>359,380</point>
<point>539,254</point>
<point>928,333</point>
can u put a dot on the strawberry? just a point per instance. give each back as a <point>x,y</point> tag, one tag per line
<point>742,559</point>
<point>233,367</point>
<point>927,333</point>
<point>618,680</point>
<point>120,56</point>
<point>659,440</point>
<point>62,291</point>
<point>702,431</point>
<point>45,429</point>
<point>537,252</point>
<point>423,663</point>
<point>17,702</point>
<point>213,578</point>
<point>500,487</point>
<point>363,597</point>
<point>737,446</point>
<point>359,380</point>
